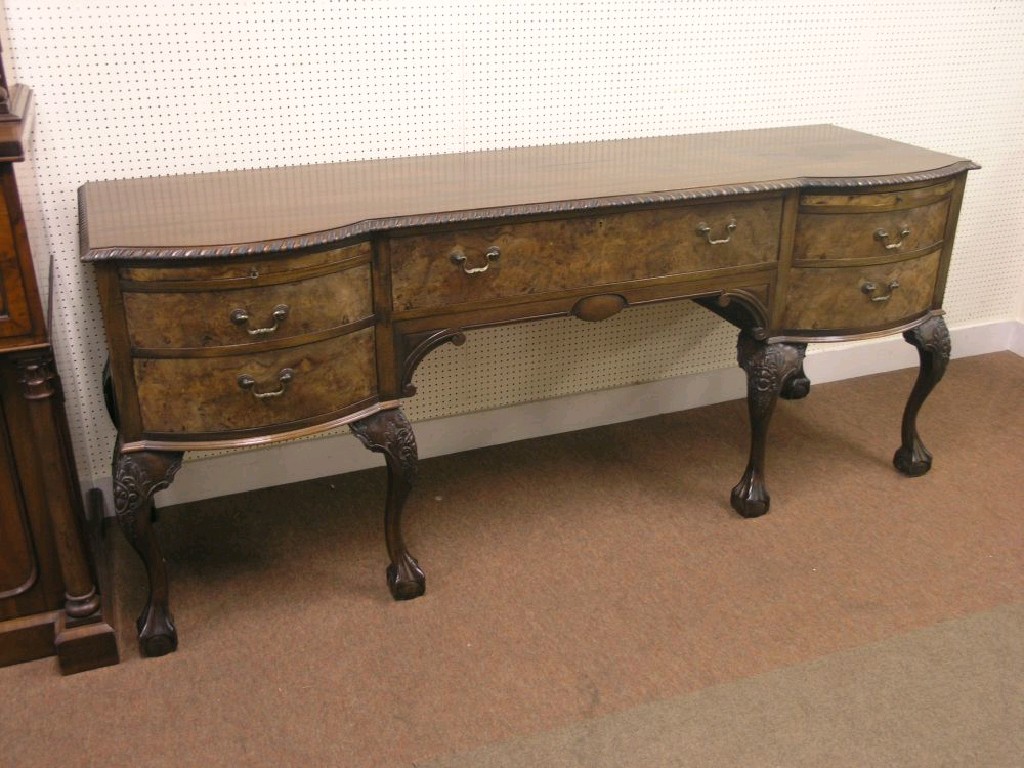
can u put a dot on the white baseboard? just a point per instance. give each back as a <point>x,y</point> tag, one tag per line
<point>308,459</point>
<point>1016,344</point>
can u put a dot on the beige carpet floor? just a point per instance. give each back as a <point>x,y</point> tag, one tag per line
<point>592,600</point>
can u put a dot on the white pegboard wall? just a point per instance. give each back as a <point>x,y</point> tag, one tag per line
<point>141,88</point>
<point>507,365</point>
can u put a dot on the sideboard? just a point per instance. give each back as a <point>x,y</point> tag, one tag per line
<point>247,307</point>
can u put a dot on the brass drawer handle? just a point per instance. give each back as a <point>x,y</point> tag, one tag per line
<point>459,259</point>
<point>705,231</point>
<point>869,289</point>
<point>883,237</point>
<point>247,382</point>
<point>240,317</point>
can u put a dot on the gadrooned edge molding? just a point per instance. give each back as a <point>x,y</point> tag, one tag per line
<point>371,226</point>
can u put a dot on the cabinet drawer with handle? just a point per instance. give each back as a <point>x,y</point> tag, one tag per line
<point>861,297</point>
<point>517,260</point>
<point>212,318</point>
<point>870,227</point>
<point>222,394</point>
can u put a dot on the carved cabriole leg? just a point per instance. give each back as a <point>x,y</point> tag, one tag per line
<point>389,432</point>
<point>932,341</point>
<point>770,368</point>
<point>137,476</point>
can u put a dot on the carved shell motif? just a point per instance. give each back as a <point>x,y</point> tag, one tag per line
<point>390,433</point>
<point>767,366</point>
<point>932,336</point>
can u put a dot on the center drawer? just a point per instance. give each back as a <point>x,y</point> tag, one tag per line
<point>507,260</point>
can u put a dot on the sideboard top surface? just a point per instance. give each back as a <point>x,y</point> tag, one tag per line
<point>278,209</point>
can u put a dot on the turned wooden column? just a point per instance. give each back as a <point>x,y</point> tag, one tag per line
<point>41,388</point>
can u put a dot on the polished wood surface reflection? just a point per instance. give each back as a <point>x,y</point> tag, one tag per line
<point>236,212</point>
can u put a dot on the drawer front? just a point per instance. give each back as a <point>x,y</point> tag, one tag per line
<point>248,270</point>
<point>208,394</point>
<point>851,298</point>
<point>868,234</point>
<point>199,319</point>
<point>558,255</point>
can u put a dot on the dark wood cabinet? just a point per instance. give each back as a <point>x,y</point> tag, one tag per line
<point>49,600</point>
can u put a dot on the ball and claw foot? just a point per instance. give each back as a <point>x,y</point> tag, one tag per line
<point>750,497</point>
<point>796,385</point>
<point>795,388</point>
<point>406,580</point>
<point>157,635</point>
<point>913,463</point>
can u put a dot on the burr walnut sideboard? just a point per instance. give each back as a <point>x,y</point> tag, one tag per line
<point>248,307</point>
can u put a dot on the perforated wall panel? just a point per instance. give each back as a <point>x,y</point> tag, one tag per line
<point>140,88</point>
